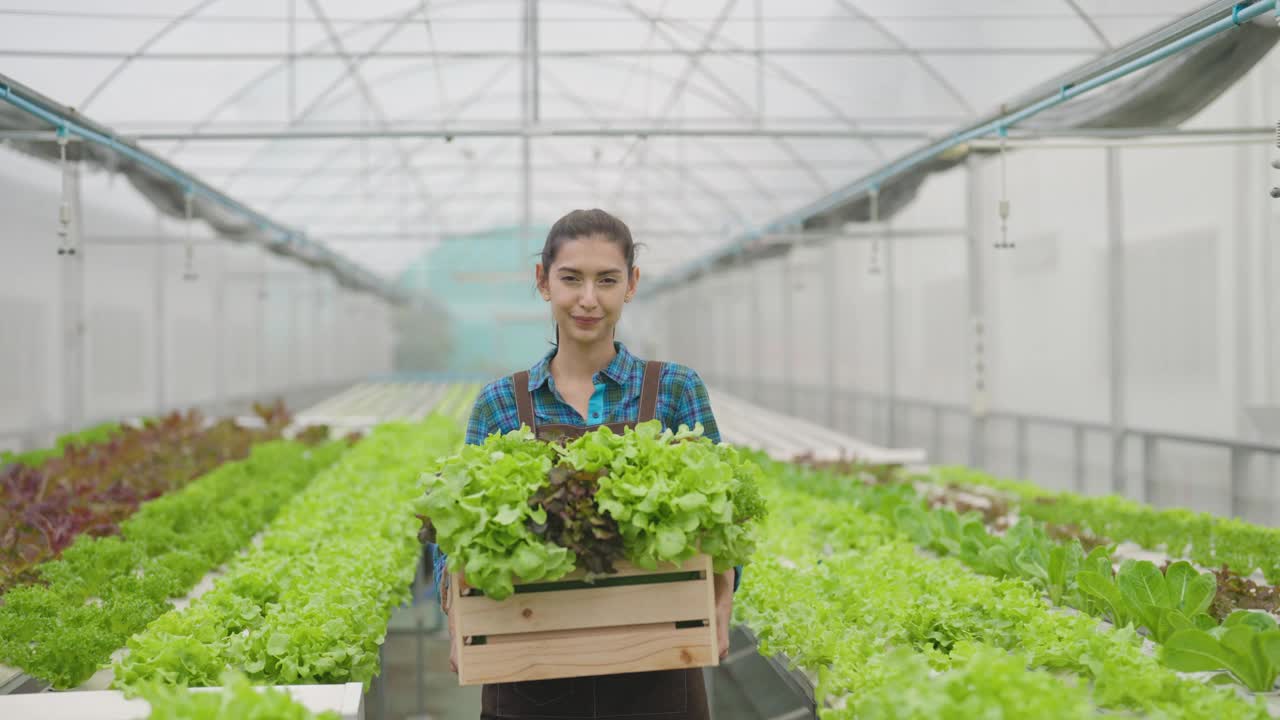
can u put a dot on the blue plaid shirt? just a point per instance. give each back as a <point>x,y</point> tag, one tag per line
<point>682,400</point>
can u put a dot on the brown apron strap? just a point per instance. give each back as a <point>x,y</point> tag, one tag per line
<point>524,401</point>
<point>649,390</point>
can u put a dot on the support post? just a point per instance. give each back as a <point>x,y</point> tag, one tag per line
<point>260,329</point>
<point>977,316</point>
<point>220,404</point>
<point>760,60</point>
<point>161,349</point>
<point>890,338</point>
<point>753,357</point>
<point>936,443</point>
<point>73,324</point>
<point>831,322</point>
<point>1020,429</point>
<point>530,118</point>
<point>293,61</point>
<point>1238,477</point>
<point>291,294</point>
<point>1078,452</point>
<point>1148,469</point>
<point>788,341</point>
<point>1115,320</point>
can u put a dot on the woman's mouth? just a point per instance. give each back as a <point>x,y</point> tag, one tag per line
<point>586,322</point>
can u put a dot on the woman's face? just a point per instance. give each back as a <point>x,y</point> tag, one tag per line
<point>587,285</point>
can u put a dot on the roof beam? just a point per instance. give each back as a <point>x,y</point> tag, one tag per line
<point>1089,21</point>
<point>141,51</point>
<point>929,68</point>
<point>398,133</point>
<point>199,56</point>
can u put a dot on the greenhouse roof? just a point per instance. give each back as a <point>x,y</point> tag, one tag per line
<point>382,126</point>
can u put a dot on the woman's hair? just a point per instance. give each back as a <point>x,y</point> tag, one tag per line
<point>583,223</point>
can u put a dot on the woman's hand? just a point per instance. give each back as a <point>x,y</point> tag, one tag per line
<point>724,610</point>
<point>445,602</point>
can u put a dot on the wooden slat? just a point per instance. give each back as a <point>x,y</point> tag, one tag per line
<point>584,608</point>
<point>626,569</point>
<point>709,588</point>
<point>578,653</point>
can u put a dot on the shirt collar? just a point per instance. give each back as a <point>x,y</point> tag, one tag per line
<point>625,368</point>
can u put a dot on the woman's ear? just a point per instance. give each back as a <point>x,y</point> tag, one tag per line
<point>541,281</point>
<point>633,282</point>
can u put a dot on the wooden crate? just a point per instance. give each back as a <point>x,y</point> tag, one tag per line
<point>634,621</point>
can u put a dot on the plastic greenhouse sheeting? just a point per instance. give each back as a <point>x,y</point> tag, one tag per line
<point>828,68</point>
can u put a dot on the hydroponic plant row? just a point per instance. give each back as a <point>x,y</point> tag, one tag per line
<point>103,589</point>
<point>310,602</point>
<point>843,591</point>
<point>91,481</point>
<point>1206,539</point>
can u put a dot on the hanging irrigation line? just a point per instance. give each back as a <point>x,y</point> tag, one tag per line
<point>279,236</point>
<point>1235,16</point>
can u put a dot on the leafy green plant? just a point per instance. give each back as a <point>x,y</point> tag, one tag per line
<point>839,589</point>
<point>102,590</point>
<point>1024,551</point>
<point>494,508</point>
<point>88,436</point>
<point>981,682</point>
<point>237,700</point>
<point>1247,646</point>
<point>573,522</point>
<point>673,495</point>
<point>1208,540</point>
<point>1141,595</point>
<point>310,603</point>
<point>89,488</point>
<point>478,506</point>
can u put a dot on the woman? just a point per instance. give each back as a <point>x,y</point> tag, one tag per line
<point>588,274</point>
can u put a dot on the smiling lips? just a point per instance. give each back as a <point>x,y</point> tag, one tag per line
<point>586,322</point>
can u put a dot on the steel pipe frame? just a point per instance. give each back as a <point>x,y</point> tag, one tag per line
<point>1240,452</point>
<point>680,170</point>
<point>764,63</point>
<point>233,19</point>
<point>927,66</point>
<point>1216,18</point>
<point>1246,447</point>
<point>583,54</point>
<point>705,41</point>
<point>529,111</point>
<point>72,308</point>
<point>398,21</point>
<point>1115,321</point>
<point>47,110</point>
<point>704,187</point>
<point>1032,139</point>
<point>401,20</point>
<point>975,288</point>
<point>324,165</point>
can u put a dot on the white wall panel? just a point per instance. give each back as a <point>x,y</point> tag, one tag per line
<point>304,332</point>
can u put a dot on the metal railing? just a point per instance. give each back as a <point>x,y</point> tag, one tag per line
<point>887,414</point>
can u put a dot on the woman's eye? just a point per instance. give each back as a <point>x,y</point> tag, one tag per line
<point>608,281</point>
<point>568,279</point>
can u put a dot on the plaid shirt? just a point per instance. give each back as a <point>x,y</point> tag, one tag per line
<point>682,400</point>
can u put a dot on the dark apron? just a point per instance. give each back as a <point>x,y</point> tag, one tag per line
<point>663,695</point>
